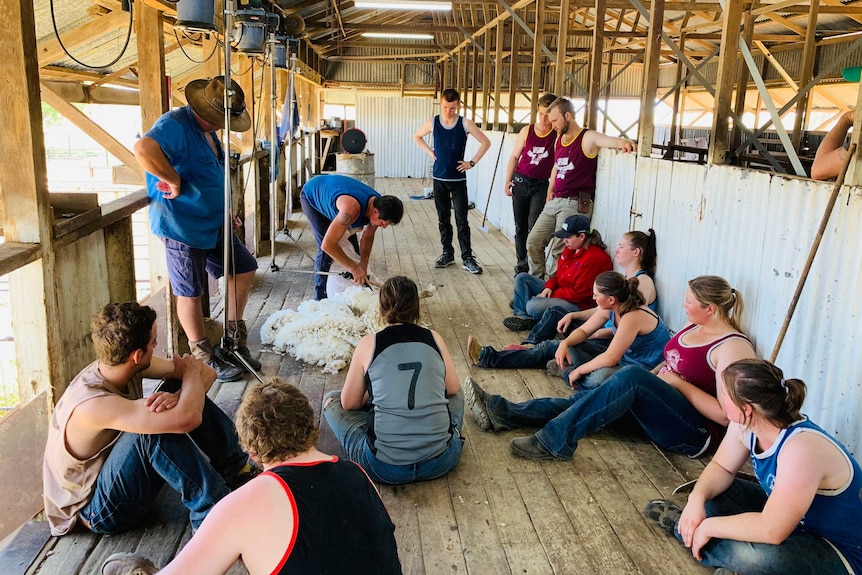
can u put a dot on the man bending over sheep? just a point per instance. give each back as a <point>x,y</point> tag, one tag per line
<point>335,204</point>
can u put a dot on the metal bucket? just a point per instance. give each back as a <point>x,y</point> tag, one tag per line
<point>358,166</point>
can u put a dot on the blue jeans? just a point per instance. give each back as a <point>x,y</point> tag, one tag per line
<point>351,430</point>
<point>547,326</point>
<point>802,553</point>
<point>319,224</point>
<point>663,412</point>
<point>526,303</point>
<point>541,354</point>
<point>197,465</point>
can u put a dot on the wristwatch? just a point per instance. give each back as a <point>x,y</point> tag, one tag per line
<point>472,163</point>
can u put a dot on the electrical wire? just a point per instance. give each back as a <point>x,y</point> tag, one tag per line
<point>106,66</point>
<point>186,54</point>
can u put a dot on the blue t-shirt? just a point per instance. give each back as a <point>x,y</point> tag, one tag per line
<point>834,514</point>
<point>196,216</point>
<point>323,190</point>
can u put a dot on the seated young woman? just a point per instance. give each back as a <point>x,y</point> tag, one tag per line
<point>677,408</point>
<point>639,336</point>
<point>802,516</point>
<point>636,256</point>
<point>401,410</point>
<point>583,258</point>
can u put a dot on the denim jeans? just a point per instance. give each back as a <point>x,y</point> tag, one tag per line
<point>351,430</point>
<point>449,195</point>
<point>663,412</point>
<point>583,353</point>
<point>528,199</point>
<point>319,224</point>
<point>197,465</point>
<point>526,303</point>
<point>547,326</point>
<point>802,553</point>
<point>541,354</point>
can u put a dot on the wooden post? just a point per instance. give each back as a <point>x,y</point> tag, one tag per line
<point>592,107</point>
<point>513,74</point>
<point>742,77</point>
<point>459,68</point>
<point>486,78</point>
<point>562,44</point>
<point>808,58</point>
<point>724,85</point>
<point>653,52</point>
<point>608,74</point>
<point>36,317</point>
<point>537,60</point>
<point>444,80</point>
<point>474,84</point>
<point>498,75</point>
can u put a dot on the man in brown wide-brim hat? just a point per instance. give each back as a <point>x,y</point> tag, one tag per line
<point>185,184</point>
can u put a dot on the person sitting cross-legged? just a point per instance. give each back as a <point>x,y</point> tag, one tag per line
<point>571,287</point>
<point>803,514</point>
<point>639,337</point>
<point>308,512</point>
<point>400,412</point>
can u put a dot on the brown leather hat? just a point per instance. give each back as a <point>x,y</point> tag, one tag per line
<point>206,97</point>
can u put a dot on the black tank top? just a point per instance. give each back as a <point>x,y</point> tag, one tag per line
<point>341,524</point>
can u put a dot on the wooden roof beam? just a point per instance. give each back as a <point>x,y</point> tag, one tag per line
<point>50,51</point>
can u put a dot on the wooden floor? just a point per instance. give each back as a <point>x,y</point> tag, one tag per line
<point>493,514</point>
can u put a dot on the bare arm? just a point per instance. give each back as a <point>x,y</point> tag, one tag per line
<point>451,376</point>
<point>348,213</point>
<point>580,335</point>
<point>630,326</point>
<point>553,177</point>
<point>520,142</point>
<point>594,140</point>
<point>353,394</point>
<point>582,315</point>
<point>419,138</point>
<point>151,157</point>
<point>831,154</point>
<point>484,142</point>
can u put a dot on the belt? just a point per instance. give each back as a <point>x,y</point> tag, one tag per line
<point>528,179</point>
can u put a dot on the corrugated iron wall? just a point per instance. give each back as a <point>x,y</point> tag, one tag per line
<point>755,229</point>
<point>389,124</point>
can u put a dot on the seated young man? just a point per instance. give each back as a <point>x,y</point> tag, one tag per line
<point>309,512</point>
<point>110,450</point>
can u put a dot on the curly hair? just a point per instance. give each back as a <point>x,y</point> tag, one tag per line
<point>399,300</point>
<point>275,422</point>
<point>120,329</point>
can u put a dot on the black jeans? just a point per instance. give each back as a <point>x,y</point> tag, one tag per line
<point>446,196</point>
<point>528,199</point>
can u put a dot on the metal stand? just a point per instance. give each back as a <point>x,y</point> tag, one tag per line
<point>273,156</point>
<point>288,153</point>
<point>228,344</point>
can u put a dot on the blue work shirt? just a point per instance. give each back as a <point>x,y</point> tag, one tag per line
<point>196,216</point>
<point>323,190</point>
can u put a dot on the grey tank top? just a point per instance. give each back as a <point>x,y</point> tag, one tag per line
<point>409,417</point>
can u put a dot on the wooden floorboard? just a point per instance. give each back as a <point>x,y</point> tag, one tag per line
<point>494,513</point>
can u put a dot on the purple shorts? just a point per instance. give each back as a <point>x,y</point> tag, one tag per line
<point>187,266</point>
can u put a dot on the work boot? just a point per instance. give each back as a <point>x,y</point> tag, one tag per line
<point>203,350</point>
<point>239,332</point>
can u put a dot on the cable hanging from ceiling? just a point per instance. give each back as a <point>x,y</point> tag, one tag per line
<point>79,62</point>
<point>200,37</point>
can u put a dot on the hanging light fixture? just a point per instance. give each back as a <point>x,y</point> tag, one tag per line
<point>196,15</point>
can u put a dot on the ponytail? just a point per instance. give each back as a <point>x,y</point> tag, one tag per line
<point>625,291</point>
<point>645,242</point>
<point>594,238</point>
<point>758,383</point>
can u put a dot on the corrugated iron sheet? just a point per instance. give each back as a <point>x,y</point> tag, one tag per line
<point>389,124</point>
<point>755,229</point>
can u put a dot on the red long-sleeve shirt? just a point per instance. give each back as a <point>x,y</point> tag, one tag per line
<point>576,273</point>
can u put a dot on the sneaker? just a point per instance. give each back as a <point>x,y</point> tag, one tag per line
<point>553,369</point>
<point>474,350</point>
<point>225,371</point>
<point>516,323</point>
<point>476,399</point>
<point>471,266</point>
<point>529,448</point>
<point>128,564</point>
<point>444,261</point>
<point>664,513</point>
